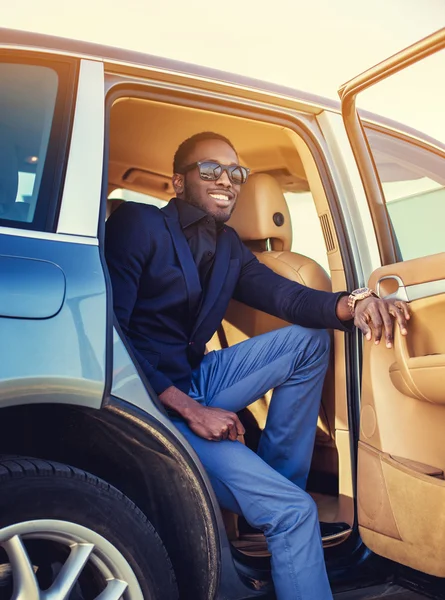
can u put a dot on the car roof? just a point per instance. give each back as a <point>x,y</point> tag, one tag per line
<point>119,55</point>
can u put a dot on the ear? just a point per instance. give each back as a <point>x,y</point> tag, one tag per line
<point>178,184</point>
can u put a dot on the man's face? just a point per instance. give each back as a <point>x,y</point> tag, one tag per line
<point>216,198</point>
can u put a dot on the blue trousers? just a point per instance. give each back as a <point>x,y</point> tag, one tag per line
<point>268,487</point>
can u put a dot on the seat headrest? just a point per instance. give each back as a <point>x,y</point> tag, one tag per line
<point>261,213</point>
<point>9,172</point>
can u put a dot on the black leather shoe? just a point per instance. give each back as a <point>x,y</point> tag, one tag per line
<point>330,530</point>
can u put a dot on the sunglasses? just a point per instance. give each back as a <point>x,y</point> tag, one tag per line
<point>210,170</point>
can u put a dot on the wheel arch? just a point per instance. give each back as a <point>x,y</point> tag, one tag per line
<point>132,451</point>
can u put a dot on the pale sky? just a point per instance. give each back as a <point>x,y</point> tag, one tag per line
<point>312,46</point>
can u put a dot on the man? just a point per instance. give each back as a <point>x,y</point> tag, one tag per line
<point>173,273</point>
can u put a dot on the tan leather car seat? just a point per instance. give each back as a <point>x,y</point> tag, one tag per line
<point>262,220</point>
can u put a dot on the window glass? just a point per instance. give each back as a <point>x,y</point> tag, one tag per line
<point>413,181</point>
<point>307,235</point>
<point>27,103</point>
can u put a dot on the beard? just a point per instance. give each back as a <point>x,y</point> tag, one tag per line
<point>191,197</point>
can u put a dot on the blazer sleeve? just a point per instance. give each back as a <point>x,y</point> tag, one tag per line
<point>260,287</point>
<point>127,250</point>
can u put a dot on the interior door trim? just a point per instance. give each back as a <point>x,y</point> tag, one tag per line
<point>416,291</point>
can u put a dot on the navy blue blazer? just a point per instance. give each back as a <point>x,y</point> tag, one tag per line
<point>157,292</point>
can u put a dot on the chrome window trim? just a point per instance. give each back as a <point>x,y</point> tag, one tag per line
<point>79,212</point>
<point>52,237</point>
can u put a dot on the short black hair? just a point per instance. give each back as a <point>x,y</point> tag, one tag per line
<point>184,149</point>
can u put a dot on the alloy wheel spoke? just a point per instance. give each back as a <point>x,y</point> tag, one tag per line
<point>25,582</point>
<point>114,590</point>
<point>69,573</point>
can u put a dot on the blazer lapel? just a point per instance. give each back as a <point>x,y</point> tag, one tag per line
<point>217,278</point>
<point>184,254</point>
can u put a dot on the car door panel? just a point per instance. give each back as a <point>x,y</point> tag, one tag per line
<point>53,294</point>
<point>401,450</point>
<point>401,456</point>
<point>56,326</point>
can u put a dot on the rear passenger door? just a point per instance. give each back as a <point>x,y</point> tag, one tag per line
<point>52,284</point>
<point>401,486</point>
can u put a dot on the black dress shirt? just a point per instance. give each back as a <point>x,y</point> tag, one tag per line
<point>201,231</point>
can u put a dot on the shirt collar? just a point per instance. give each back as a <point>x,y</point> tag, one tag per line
<point>189,214</point>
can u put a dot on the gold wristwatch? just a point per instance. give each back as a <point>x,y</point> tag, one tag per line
<point>357,295</point>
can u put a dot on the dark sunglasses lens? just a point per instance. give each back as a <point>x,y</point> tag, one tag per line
<point>210,171</point>
<point>238,175</point>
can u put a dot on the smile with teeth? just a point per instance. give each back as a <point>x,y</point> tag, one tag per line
<point>221,199</point>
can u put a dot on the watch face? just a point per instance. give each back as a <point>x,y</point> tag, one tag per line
<point>360,291</point>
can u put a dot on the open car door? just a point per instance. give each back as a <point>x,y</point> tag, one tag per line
<point>401,455</point>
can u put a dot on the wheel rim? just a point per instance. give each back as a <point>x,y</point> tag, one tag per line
<point>93,568</point>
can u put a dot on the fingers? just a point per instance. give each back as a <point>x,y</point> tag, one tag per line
<point>400,316</point>
<point>371,322</point>
<point>403,306</point>
<point>377,320</point>
<point>381,321</point>
<point>389,325</point>
<point>236,428</point>
<point>239,427</point>
<point>229,427</point>
<point>224,432</point>
<point>362,323</point>
<point>232,431</point>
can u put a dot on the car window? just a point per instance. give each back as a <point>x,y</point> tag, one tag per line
<point>413,182</point>
<point>27,105</point>
<point>307,235</point>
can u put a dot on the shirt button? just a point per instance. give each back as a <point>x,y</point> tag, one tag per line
<point>209,253</point>
<point>191,343</point>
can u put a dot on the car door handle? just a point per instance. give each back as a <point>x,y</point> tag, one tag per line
<point>401,292</point>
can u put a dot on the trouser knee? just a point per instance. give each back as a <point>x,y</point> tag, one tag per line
<point>302,513</point>
<point>314,342</point>
<point>308,513</point>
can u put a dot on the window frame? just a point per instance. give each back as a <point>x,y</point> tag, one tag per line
<point>51,184</point>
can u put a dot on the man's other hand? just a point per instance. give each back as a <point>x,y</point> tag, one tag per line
<point>214,424</point>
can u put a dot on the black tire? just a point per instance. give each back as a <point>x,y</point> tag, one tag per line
<point>33,489</point>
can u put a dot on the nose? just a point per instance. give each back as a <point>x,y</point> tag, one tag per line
<point>224,180</point>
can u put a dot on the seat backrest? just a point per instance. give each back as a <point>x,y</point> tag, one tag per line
<point>262,220</point>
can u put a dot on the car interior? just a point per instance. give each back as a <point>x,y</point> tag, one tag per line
<point>280,211</point>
